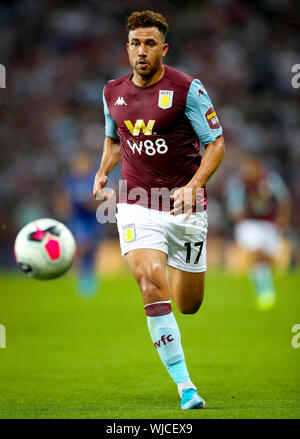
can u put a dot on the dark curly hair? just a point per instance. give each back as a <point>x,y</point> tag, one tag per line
<point>147,19</point>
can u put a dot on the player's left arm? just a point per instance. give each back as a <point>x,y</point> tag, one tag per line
<point>203,118</point>
<point>283,215</point>
<point>282,195</point>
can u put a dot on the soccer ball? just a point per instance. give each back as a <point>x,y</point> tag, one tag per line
<point>45,249</point>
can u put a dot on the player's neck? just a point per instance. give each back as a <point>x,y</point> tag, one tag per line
<point>142,81</point>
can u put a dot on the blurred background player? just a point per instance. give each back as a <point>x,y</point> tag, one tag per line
<point>259,203</point>
<point>77,208</point>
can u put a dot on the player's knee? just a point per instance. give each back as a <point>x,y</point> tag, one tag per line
<point>190,308</point>
<point>151,290</point>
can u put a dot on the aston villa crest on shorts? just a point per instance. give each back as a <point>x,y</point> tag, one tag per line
<point>165,99</point>
<point>129,233</point>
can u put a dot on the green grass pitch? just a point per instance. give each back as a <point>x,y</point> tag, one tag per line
<point>67,357</point>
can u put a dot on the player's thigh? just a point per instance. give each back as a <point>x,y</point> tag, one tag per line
<point>148,267</point>
<point>143,241</point>
<point>140,228</point>
<point>186,289</point>
<point>258,256</point>
<point>187,261</point>
<point>187,243</point>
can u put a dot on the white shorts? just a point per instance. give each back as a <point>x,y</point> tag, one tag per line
<point>183,242</point>
<point>257,235</point>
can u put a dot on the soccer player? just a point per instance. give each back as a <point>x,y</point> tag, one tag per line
<point>259,202</point>
<point>75,205</point>
<point>156,120</point>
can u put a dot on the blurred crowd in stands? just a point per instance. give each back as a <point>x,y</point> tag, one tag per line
<point>59,54</point>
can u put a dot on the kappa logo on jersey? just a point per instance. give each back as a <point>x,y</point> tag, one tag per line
<point>140,125</point>
<point>129,233</point>
<point>120,101</point>
<point>212,118</point>
<point>165,99</point>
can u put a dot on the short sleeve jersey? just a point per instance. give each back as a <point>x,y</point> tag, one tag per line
<point>257,200</point>
<point>161,129</point>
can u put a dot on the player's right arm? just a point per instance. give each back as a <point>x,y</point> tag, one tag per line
<point>110,158</point>
<point>111,154</point>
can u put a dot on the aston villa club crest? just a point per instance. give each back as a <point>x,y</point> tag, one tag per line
<point>129,232</point>
<point>165,99</point>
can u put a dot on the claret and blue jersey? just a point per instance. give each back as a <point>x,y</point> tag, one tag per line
<point>257,199</point>
<point>160,127</point>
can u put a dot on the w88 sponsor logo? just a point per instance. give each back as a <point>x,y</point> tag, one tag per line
<point>149,147</point>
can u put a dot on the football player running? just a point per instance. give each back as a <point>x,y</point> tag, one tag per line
<point>258,201</point>
<point>75,205</point>
<point>161,124</point>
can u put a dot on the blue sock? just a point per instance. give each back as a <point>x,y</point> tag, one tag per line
<point>165,335</point>
<point>261,275</point>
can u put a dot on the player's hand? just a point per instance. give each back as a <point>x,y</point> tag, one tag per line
<point>99,184</point>
<point>184,201</point>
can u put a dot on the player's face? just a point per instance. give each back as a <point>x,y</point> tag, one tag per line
<point>252,169</point>
<point>146,48</point>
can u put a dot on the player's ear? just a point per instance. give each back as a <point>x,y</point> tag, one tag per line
<point>127,46</point>
<point>165,49</point>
